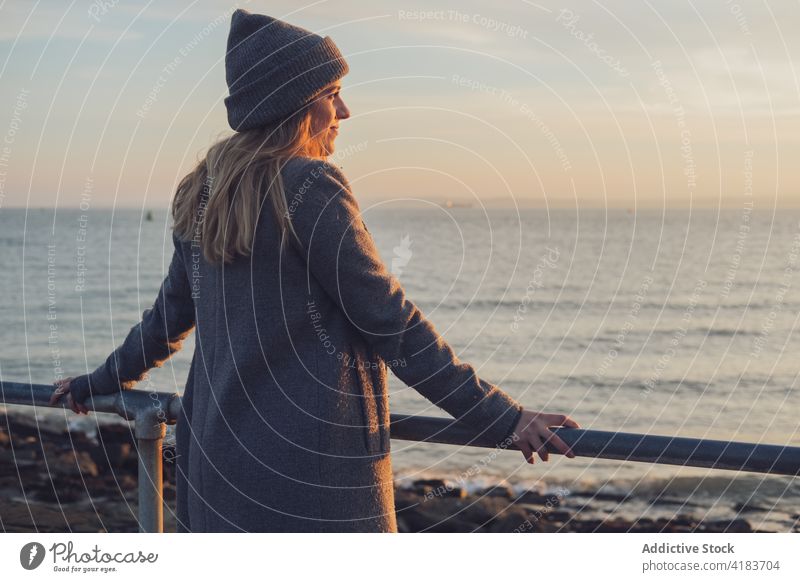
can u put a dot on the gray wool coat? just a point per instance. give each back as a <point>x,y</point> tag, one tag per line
<point>285,421</point>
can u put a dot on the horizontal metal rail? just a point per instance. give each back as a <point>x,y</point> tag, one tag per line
<point>600,444</point>
<point>152,411</point>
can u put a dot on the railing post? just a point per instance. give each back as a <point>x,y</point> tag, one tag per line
<point>149,430</point>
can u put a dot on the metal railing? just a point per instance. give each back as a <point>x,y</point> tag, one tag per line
<point>152,411</point>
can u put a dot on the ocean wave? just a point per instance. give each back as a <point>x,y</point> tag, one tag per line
<point>618,305</point>
<point>697,489</point>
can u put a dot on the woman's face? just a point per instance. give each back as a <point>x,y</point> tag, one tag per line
<point>326,113</point>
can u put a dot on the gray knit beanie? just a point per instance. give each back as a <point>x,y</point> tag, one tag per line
<point>273,69</point>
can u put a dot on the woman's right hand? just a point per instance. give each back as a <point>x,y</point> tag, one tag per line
<point>533,432</point>
<point>63,387</point>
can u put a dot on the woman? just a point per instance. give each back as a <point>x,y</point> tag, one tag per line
<point>285,422</point>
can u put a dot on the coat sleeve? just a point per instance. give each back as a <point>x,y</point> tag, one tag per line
<point>150,342</point>
<point>341,255</point>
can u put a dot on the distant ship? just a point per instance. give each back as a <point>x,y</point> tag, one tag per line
<point>451,204</point>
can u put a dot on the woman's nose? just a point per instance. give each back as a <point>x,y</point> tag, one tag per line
<point>342,112</point>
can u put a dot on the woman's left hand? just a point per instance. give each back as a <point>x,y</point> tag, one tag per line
<point>62,387</point>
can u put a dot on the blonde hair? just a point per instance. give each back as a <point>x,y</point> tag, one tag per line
<point>218,203</point>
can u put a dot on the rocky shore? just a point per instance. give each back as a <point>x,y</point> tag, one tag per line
<point>56,478</point>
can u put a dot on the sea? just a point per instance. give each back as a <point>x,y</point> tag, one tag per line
<point>665,322</point>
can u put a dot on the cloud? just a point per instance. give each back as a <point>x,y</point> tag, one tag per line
<point>728,80</point>
<point>44,21</point>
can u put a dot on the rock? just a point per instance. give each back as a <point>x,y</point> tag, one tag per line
<point>665,500</point>
<point>423,486</point>
<point>684,520</point>
<point>21,516</point>
<point>536,498</point>
<point>483,511</point>
<point>644,524</point>
<point>59,490</point>
<point>405,499</point>
<point>128,482</point>
<point>586,525</point>
<point>86,464</point>
<point>603,496</point>
<point>117,456</point>
<point>26,424</point>
<point>558,516</point>
<point>457,492</point>
<point>497,491</point>
<point>615,497</point>
<point>452,525</point>
<point>74,462</point>
<point>515,520</point>
<point>19,458</point>
<point>437,488</point>
<point>748,507</point>
<point>417,521</point>
<point>615,525</point>
<point>728,526</point>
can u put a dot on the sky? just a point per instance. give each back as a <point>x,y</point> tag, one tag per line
<point>547,104</point>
